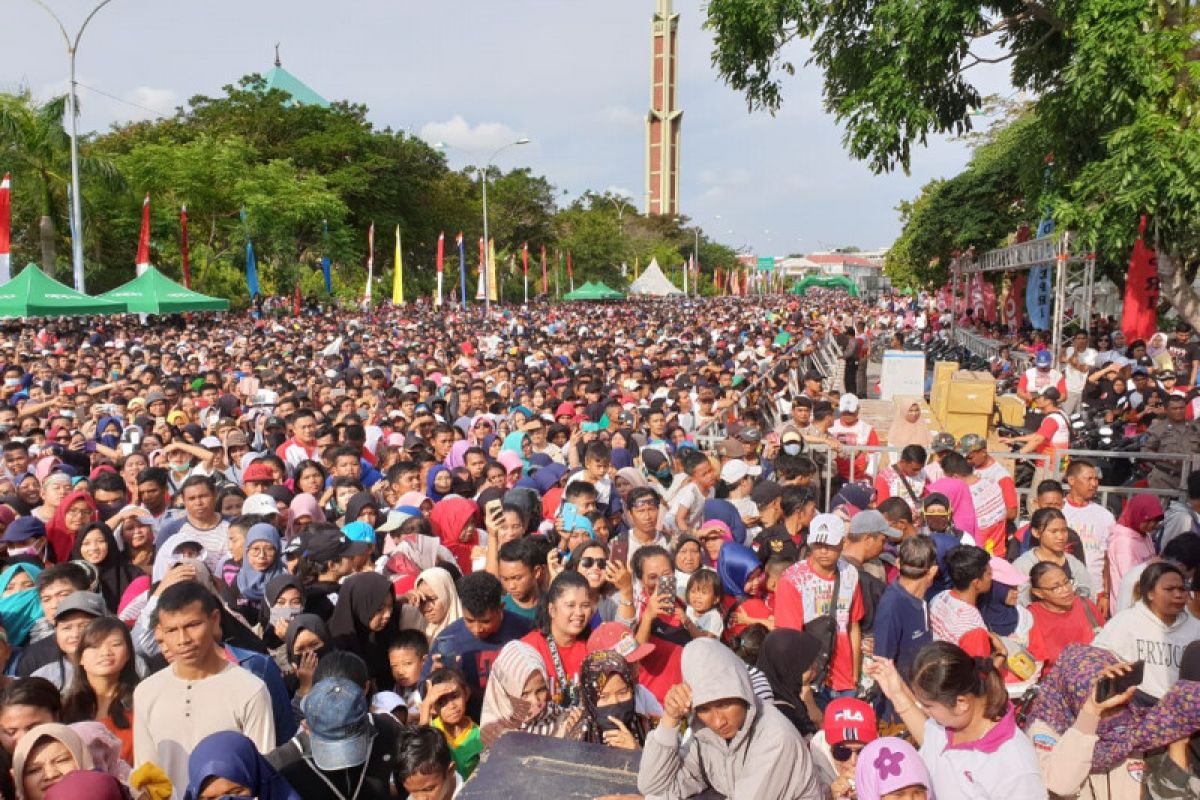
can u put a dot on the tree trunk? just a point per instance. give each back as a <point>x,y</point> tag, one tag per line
<point>48,239</point>
<point>1176,290</point>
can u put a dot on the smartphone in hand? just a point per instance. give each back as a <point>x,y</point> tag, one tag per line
<point>1110,687</point>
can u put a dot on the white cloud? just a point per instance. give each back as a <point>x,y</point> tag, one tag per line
<point>619,116</point>
<point>618,191</point>
<point>146,100</point>
<point>735,176</point>
<point>475,140</point>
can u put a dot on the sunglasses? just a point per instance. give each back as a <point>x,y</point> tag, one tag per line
<point>644,504</point>
<point>844,752</point>
<point>587,562</point>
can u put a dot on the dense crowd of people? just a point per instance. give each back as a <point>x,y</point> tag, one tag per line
<point>340,556</point>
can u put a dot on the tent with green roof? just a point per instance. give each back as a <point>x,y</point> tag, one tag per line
<point>826,282</point>
<point>593,291</point>
<point>155,293</point>
<point>608,292</point>
<point>33,293</point>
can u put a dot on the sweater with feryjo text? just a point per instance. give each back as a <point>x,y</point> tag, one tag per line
<point>1137,634</point>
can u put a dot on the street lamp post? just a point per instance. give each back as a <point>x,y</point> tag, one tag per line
<point>695,256</point>
<point>487,242</point>
<point>76,208</point>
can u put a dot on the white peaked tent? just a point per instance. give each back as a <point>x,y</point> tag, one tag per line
<point>652,282</point>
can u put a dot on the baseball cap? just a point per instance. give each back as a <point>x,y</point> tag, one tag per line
<point>653,459</point>
<point>260,504</point>
<point>848,404</point>
<point>827,529</point>
<point>871,521</point>
<point>259,473</point>
<point>848,719</point>
<point>1165,374</point>
<point>615,636</point>
<point>942,442</point>
<point>1005,573</point>
<point>326,545</point>
<point>1043,359</point>
<point>765,492</point>
<point>790,435</point>
<point>971,442</point>
<point>736,469</point>
<point>210,442</point>
<point>87,602</point>
<point>339,727</point>
<point>750,435</point>
<point>393,521</point>
<point>236,439</point>
<point>23,528</point>
<point>359,532</point>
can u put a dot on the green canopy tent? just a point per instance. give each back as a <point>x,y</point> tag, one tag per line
<point>826,282</point>
<point>592,291</point>
<point>33,293</point>
<point>609,292</point>
<point>155,293</point>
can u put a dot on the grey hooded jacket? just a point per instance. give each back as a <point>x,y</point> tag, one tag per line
<point>766,760</point>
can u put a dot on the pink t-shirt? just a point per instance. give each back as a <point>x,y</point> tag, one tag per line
<point>1092,522</point>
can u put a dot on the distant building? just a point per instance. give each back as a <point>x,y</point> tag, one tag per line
<point>664,119</point>
<point>279,78</point>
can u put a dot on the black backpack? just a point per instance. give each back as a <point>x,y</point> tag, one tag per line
<point>825,629</point>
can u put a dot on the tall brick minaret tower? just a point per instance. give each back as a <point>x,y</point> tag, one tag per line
<point>664,119</point>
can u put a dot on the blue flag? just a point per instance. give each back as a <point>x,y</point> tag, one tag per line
<point>251,267</point>
<point>325,258</point>
<point>1040,289</point>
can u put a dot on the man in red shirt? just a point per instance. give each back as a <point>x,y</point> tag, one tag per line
<point>806,592</point>
<point>1041,376</point>
<point>850,430</point>
<point>303,444</point>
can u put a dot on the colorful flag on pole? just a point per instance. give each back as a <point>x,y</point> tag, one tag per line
<point>493,284</point>
<point>1040,288</point>
<point>367,292</point>
<point>462,270</point>
<point>5,228</point>
<point>558,274</point>
<point>251,267</point>
<point>296,304</point>
<point>398,274</point>
<point>143,252</point>
<point>325,268</point>
<point>545,282</point>
<point>441,253</point>
<point>570,272</point>
<point>183,247</point>
<point>1141,291</point>
<point>525,268</point>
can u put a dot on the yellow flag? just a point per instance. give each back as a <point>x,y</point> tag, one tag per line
<point>398,274</point>
<point>492,287</point>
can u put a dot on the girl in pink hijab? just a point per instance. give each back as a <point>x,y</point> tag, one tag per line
<point>1129,542</point>
<point>303,507</point>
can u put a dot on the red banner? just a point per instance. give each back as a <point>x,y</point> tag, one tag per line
<point>989,302</point>
<point>183,247</point>
<point>1141,290</point>
<point>441,251</point>
<point>1016,301</point>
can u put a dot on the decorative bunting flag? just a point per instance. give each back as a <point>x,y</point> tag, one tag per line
<point>398,274</point>
<point>462,270</point>
<point>1141,291</point>
<point>525,268</point>
<point>545,283</point>
<point>325,265</point>
<point>143,252</point>
<point>5,228</point>
<point>251,267</point>
<point>441,252</point>
<point>183,247</point>
<point>367,291</point>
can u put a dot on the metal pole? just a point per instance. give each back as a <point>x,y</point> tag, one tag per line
<point>487,296</point>
<point>76,208</point>
<point>696,258</point>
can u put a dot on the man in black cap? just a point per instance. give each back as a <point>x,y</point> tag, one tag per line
<point>332,555</point>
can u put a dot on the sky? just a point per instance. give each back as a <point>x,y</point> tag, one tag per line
<point>571,75</point>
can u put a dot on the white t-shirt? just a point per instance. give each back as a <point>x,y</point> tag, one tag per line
<point>1093,523</point>
<point>994,768</point>
<point>1077,379</point>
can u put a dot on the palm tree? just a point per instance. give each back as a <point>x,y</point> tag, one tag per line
<point>35,142</point>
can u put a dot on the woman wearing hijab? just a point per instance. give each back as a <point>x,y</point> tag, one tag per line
<point>1130,542</point>
<point>891,769</point>
<point>431,482</point>
<point>97,545</point>
<point>455,520</point>
<point>261,561</point>
<point>228,761</point>
<point>737,565</point>
<point>74,513</point>
<point>458,451</point>
<point>20,608</point>
<point>304,511</point>
<point>726,512</point>
<point>362,620</point>
<point>787,659</point>
<point>307,638</point>
<point>438,603</point>
<point>1084,743</point>
<point>361,508</point>
<point>43,756</point>
<point>609,687</point>
<point>519,444</point>
<point>517,697</point>
<point>908,425</point>
<point>92,785</point>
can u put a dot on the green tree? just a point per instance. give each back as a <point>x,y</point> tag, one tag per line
<point>36,145</point>
<point>1117,82</point>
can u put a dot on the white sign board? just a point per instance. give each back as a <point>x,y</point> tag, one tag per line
<point>903,374</point>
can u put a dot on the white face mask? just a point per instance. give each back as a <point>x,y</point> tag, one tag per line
<point>283,614</point>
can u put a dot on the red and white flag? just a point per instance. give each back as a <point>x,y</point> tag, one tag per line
<point>143,254</point>
<point>1141,291</point>
<point>370,262</point>
<point>441,254</point>
<point>5,228</point>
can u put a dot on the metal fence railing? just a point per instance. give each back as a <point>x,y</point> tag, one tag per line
<point>988,348</point>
